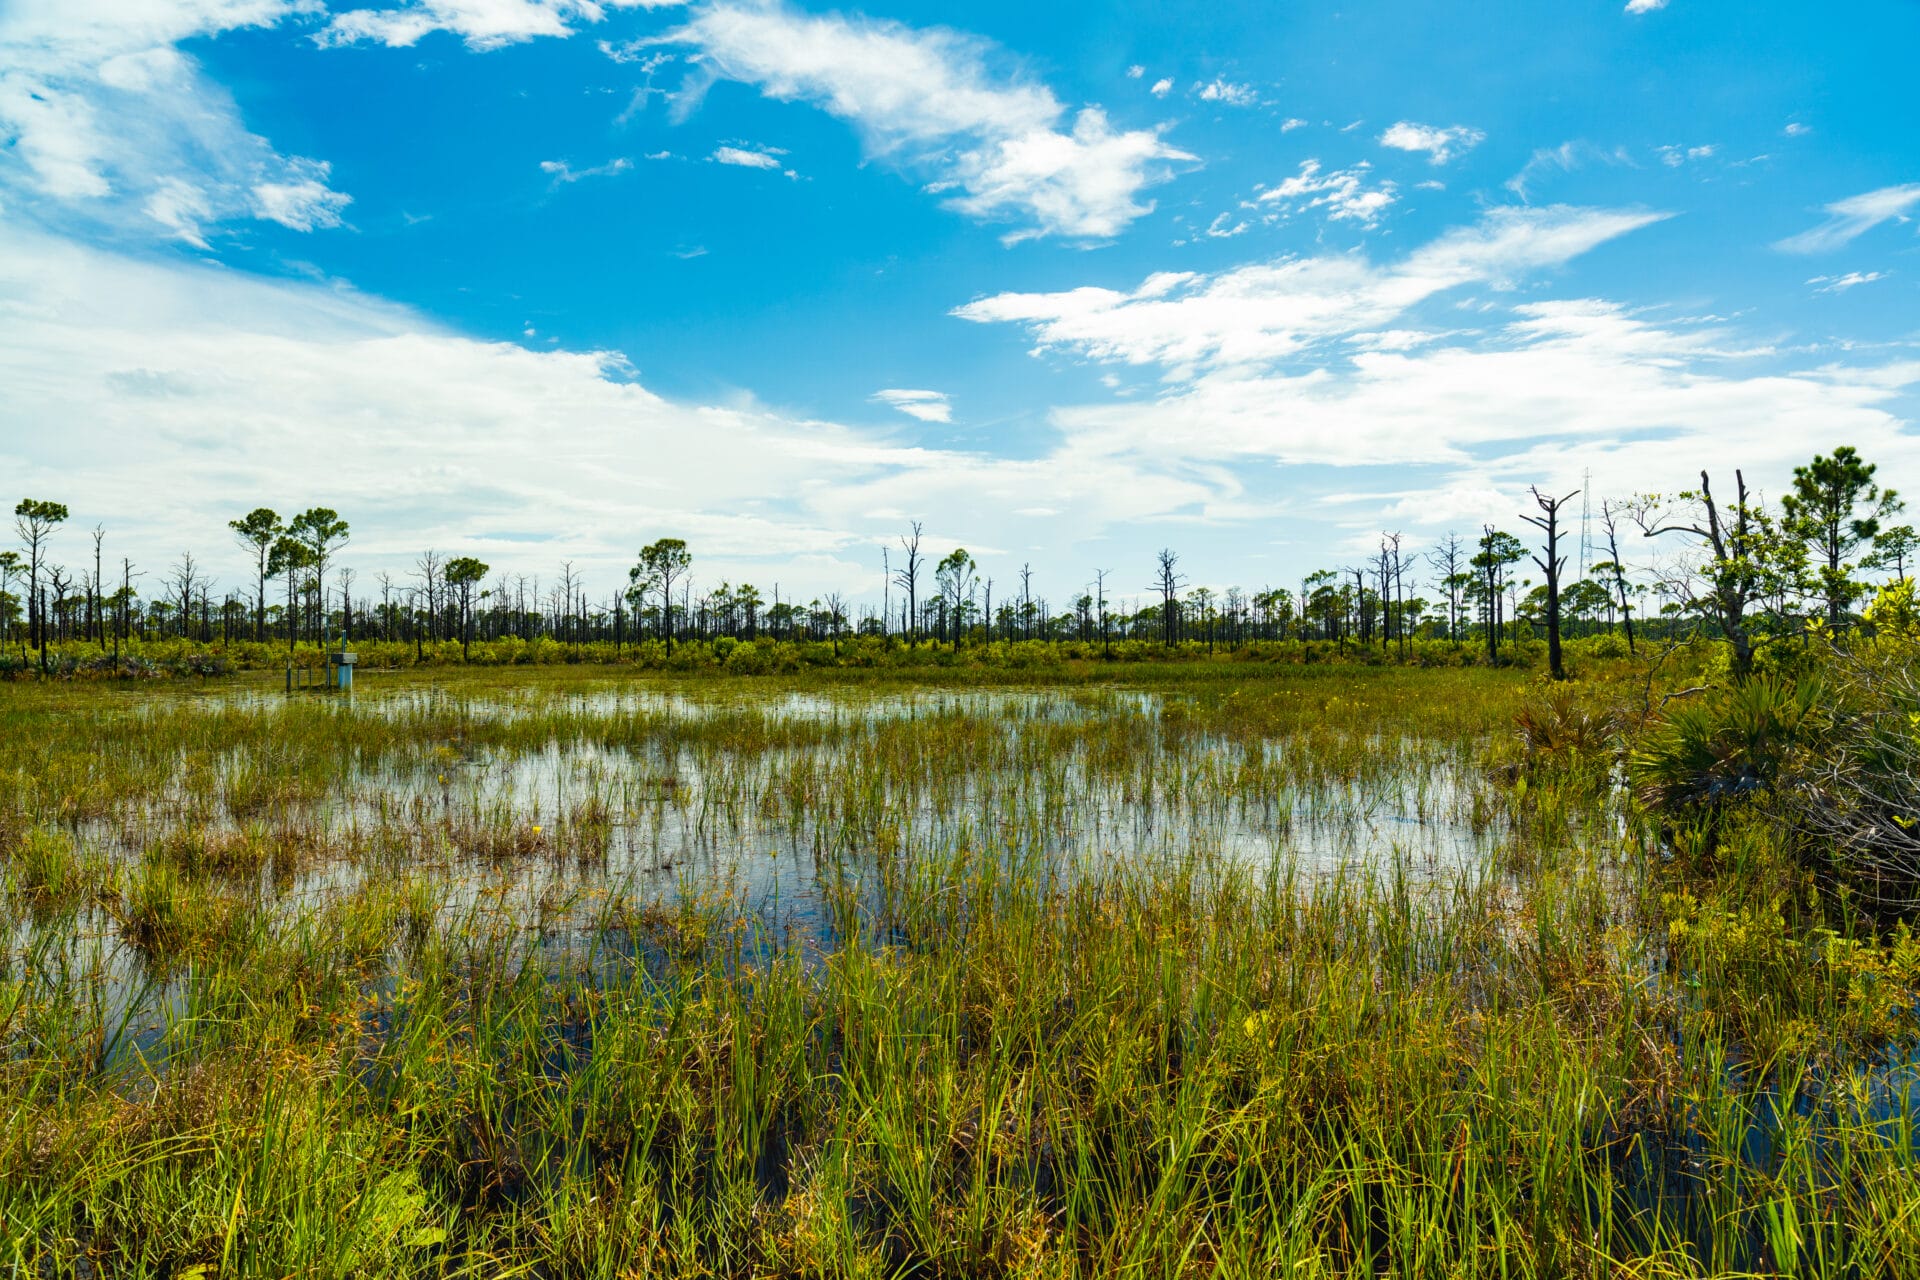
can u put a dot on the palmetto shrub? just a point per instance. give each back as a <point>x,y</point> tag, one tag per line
<point>1728,745</point>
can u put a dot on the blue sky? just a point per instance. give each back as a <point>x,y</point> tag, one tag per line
<point>541,280</point>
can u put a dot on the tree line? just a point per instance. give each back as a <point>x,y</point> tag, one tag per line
<point>1737,566</point>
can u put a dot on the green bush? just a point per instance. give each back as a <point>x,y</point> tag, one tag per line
<point>1606,645</point>
<point>1726,746</point>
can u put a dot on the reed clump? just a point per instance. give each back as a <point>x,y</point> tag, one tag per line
<point>46,868</point>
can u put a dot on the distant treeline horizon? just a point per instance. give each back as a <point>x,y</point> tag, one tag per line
<point>1739,568</point>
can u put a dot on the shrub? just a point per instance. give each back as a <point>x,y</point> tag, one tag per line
<point>1607,645</point>
<point>1726,746</point>
<point>748,660</point>
<point>1861,793</point>
<point>1556,727</point>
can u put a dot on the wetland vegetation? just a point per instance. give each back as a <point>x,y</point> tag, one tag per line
<point>1206,968</point>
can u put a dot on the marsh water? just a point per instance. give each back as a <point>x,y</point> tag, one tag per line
<point>751,797</point>
<point>531,809</point>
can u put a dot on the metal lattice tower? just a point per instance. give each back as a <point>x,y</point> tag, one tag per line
<point>1586,522</point>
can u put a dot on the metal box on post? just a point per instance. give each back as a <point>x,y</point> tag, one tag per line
<point>342,664</point>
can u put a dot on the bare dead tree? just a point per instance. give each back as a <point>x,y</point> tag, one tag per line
<point>908,577</point>
<point>1551,564</point>
<point>1445,560</point>
<point>1168,582</point>
<point>1100,588</point>
<point>60,582</point>
<point>1026,601</point>
<point>428,569</point>
<point>184,579</point>
<point>125,607</point>
<point>386,604</point>
<point>563,598</point>
<point>836,618</point>
<point>96,620</point>
<point>1610,513</point>
<point>346,601</point>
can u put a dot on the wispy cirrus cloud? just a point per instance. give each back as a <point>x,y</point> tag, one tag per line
<point>1840,284</point>
<point>1565,158</point>
<point>110,123</point>
<point>997,143</point>
<point>562,173</point>
<point>927,406</point>
<point>1268,311</point>
<point>1852,217</point>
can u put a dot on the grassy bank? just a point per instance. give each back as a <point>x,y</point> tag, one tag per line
<point>1303,971</point>
<point>768,655</point>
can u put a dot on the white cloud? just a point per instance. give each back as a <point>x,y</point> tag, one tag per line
<point>1673,157</point>
<point>929,100</point>
<point>1840,284</point>
<point>1391,340</point>
<point>1136,71</point>
<point>1342,193</point>
<point>110,123</point>
<point>1795,129</point>
<point>522,457</point>
<point>483,24</point>
<point>528,457</point>
<point>1441,145</point>
<point>180,207</point>
<point>640,53</point>
<point>562,172</point>
<point>1645,6</point>
<point>1323,361</point>
<point>745,159</point>
<point>97,29</point>
<point>1852,217</point>
<point>1227,93</point>
<point>302,200</point>
<point>1564,158</point>
<point>1264,312</point>
<point>927,406</point>
<point>1223,227</point>
<point>1291,123</point>
<point>1161,88</point>
<point>1639,401</point>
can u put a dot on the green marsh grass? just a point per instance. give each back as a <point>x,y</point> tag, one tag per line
<point>1270,972</point>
